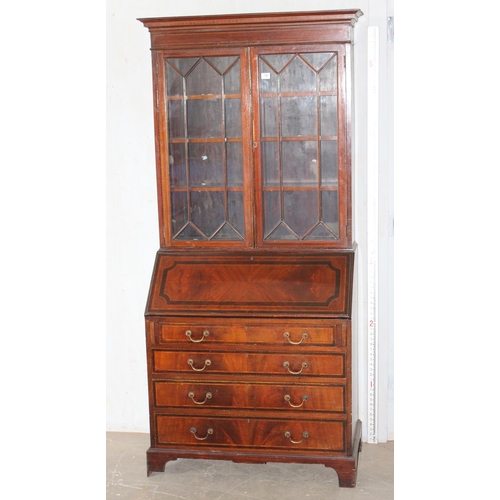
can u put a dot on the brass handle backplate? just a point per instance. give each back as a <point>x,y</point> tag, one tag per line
<point>191,364</point>
<point>286,364</point>
<point>287,336</point>
<point>193,432</point>
<point>288,435</point>
<point>208,396</point>
<point>206,333</point>
<point>288,398</point>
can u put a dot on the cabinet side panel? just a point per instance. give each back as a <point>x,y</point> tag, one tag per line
<point>157,116</point>
<point>349,430</point>
<point>151,334</point>
<point>354,349</point>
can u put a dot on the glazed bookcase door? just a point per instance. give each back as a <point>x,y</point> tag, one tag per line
<point>299,149</point>
<point>206,122</point>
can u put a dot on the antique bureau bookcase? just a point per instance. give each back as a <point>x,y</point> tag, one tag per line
<point>248,319</point>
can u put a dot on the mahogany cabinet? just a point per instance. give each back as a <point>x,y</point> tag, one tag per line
<point>248,319</point>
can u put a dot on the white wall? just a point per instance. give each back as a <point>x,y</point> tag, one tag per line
<point>132,221</point>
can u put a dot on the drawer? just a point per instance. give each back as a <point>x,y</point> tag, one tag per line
<point>305,398</point>
<point>209,362</point>
<point>252,333</point>
<point>174,430</point>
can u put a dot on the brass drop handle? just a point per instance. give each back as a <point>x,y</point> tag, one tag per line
<point>208,396</point>
<point>286,364</point>
<point>206,333</point>
<point>191,363</point>
<point>288,398</point>
<point>288,435</point>
<point>193,432</point>
<point>287,336</point>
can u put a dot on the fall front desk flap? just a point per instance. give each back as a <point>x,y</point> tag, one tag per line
<point>298,285</point>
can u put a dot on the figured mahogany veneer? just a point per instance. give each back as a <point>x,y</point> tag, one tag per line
<point>252,433</point>
<point>257,396</point>
<point>247,284</point>
<point>325,365</point>
<point>248,318</point>
<point>253,332</point>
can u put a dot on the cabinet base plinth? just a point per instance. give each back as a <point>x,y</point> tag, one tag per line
<point>345,466</point>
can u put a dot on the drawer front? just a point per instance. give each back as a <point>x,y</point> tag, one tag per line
<point>250,396</point>
<point>210,362</point>
<point>173,430</point>
<point>251,333</point>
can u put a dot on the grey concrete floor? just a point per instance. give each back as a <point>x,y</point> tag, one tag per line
<point>126,477</point>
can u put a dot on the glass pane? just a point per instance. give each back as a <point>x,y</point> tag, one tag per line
<point>329,163</point>
<point>271,211</point>
<point>328,76</point>
<point>232,80</point>
<point>233,118</point>
<point>206,167</point>
<point>235,210</point>
<point>174,80</point>
<point>298,116</point>
<point>330,212</point>
<point>270,164</point>
<point>176,119</point>
<point>329,115</point>
<point>317,60</point>
<point>227,232</point>
<point>234,160</point>
<point>300,163</point>
<point>277,61</point>
<point>179,210</point>
<point>320,232</point>
<point>204,118</point>
<point>221,64</point>
<point>298,77</point>
<point>177,162</point>
<point>203,79</point>
<point>282,232</point>
<point>207,210</point>
<point>268,79</point>
<point>183,64</point>
<point>269,117</point>
<point>300,210</point>
<point>190,232</point>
